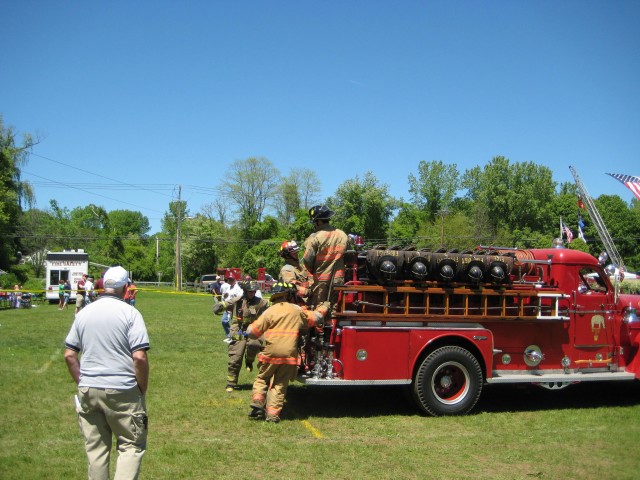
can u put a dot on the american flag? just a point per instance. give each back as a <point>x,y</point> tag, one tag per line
<point>567,232</point>
<point>631,182</point>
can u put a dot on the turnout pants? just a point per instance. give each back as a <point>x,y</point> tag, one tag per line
<point>237,350</point>
<point>104,413</point>
<point>272,398</point>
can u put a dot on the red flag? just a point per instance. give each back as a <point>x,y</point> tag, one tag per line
<point>580,203</point>
<point>631,182</point>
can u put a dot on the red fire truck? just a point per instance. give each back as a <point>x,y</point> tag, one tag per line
<point>447,323</point>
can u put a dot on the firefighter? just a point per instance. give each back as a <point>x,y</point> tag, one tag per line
<point>292,271</point>
<point>324,258</point>
<point>281,324</point>
<point>251,308</point>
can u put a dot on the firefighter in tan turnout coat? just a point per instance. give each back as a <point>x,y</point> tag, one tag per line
<point>324,258</point>
<point>281,325</point>
<point>251,308</point>
<point>293,271</point>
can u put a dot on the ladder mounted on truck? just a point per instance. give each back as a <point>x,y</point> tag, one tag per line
<point>609,246</point>
<point>404,304</point>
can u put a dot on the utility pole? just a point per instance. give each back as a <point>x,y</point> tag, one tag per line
<point>178,245</point>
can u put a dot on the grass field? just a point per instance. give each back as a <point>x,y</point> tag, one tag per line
<point>198,431</point>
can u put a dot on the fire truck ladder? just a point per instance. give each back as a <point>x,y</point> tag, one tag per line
<point>406,305</point>
<point>609,246</point>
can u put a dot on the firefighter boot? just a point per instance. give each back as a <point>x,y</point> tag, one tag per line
<point>256,413</point>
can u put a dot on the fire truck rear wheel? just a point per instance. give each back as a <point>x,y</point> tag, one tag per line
<point>448,382</point>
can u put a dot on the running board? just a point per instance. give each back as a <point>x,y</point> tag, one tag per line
<point>561,377</point>
<point>339,381</point>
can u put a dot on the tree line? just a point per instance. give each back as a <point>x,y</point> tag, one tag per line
<point>501,203</point>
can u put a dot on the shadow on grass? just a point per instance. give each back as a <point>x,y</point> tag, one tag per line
<point>586,395</point>
<point>337,402</point>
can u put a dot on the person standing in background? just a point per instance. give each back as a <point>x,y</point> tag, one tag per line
<point>231,294</point>
<point>112,375</point>
<point>88,291</point>
<point>99,285</point>
<point>66,294</point>
<point>60,294</point>
<point>130,296</point>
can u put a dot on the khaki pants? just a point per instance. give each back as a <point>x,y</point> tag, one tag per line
<point>104,413</point>
<point>272,398</point>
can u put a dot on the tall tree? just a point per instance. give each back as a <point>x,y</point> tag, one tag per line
<point>363,207</point>
<point>37,230</point>
<point>201,246</point>
<point>14,192</point>
<point>128,222</point>
<point>217,210</point>
<point>299,190</point>
<point>435,187</point>
<point>250,184</point>
<point>510,196</point>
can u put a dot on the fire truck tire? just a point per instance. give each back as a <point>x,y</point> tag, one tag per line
<point>448,382</point>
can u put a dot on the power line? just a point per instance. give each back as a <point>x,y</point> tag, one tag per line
<point>104,186</point>
<point>75,167</point>
<point>93,193</point>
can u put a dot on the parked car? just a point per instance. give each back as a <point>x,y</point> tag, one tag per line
<point>207,281</point>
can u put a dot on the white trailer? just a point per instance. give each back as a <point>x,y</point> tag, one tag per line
<point>66,265</point>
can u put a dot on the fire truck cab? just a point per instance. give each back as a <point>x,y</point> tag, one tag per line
<point>446,323</point>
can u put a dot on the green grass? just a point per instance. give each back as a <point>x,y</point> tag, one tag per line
<point>198,431</point>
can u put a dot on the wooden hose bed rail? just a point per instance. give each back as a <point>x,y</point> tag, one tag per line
<point>411,304</point>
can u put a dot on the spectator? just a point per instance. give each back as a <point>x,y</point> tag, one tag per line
<point>66,294</point>
<point>80,294</point>
<point>231,294</point>
<point>99,285</point>
<point>130,296</point>
<point>60,294</point>
<point>16,296</point>
<point>88,291</point>
<point>216,286</point>
<point>112,376</point>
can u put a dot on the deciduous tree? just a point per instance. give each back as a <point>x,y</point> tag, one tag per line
<point>363,207</point>
<point>14,191</point>
<point>435,186</point>
<point>250,184</point>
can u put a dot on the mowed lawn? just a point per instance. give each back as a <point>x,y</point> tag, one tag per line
<point>198,431</point>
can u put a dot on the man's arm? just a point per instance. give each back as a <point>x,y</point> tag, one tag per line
<point>141,366</point>
<point>73,364</point>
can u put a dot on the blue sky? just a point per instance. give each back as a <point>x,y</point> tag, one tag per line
<point>132,99</point>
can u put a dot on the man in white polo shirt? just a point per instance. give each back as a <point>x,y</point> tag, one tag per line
<point>112,374</point>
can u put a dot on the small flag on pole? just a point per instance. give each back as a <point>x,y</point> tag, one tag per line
<point>631,182</point>
<point>567,232</point>
<point>580,203</point>
<point>580,229</point>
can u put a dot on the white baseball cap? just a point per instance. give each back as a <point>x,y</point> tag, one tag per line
<point>116,277</point>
